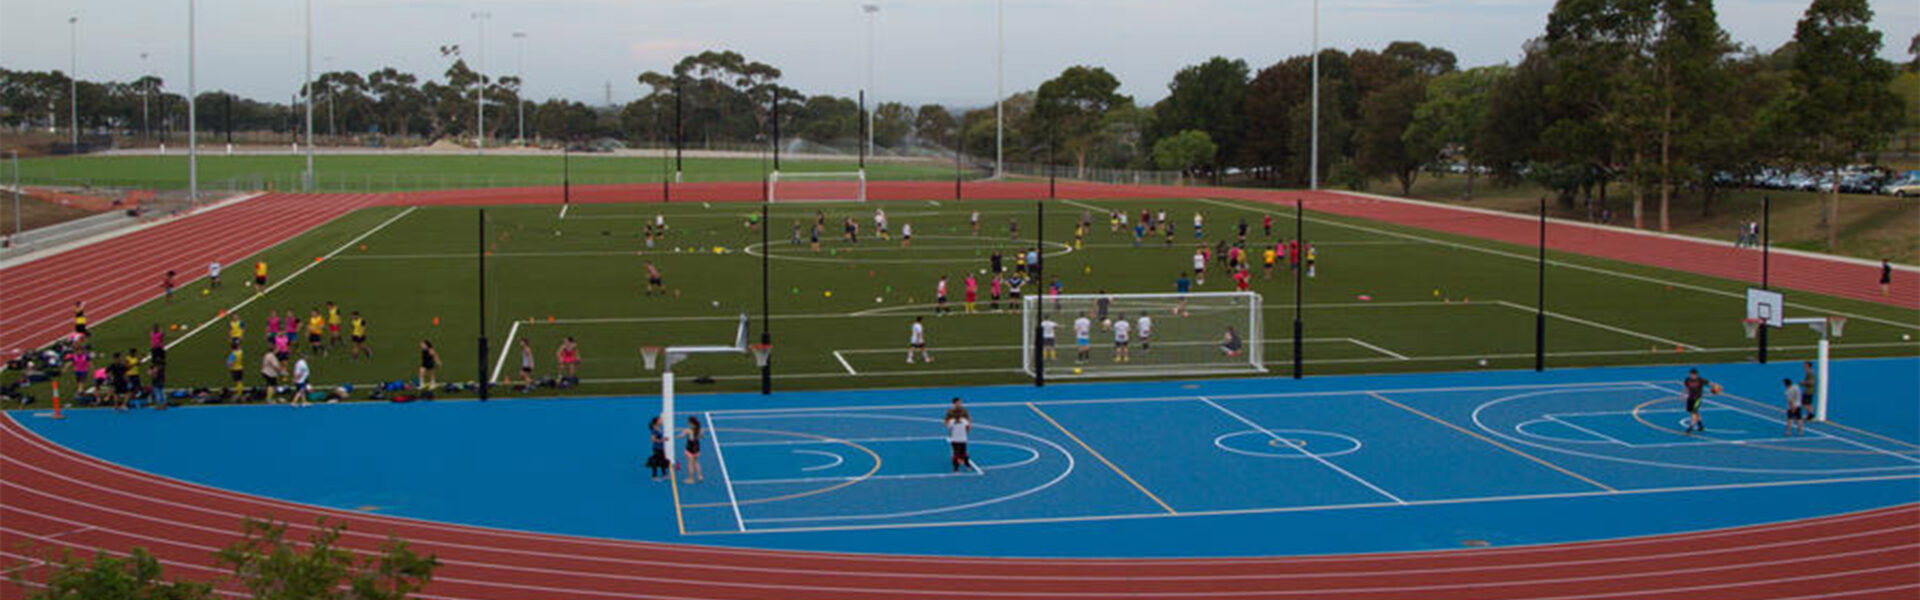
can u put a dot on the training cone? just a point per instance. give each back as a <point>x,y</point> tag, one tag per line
<point>436,321</point>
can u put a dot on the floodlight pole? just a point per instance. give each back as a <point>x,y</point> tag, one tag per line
<point>146,93</point>
<point>1299,326</point>
<point>73,78</point>
<point>486,379</point>
<point>679,129</point>
<point>193,113</point>
<point>520,72</point>
<point>1766,247</point>
<point>480,90</point>
<point>1313,170</point>
<point>871,10</point>
<point>16,195</point>
<point>999,89</point>
<point>1540,305</point>
<point>306,183</point>
<point>865,127</point>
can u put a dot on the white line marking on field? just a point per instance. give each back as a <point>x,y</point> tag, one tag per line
<point>505,351</point>
<point>563,211</point>
<point>295,275</point>
<point>843,363</point>
<point>1557,263</point>
<point>1599,325</point>
<point>1083,205</point>
<point>837,459</point>
<point>713,431</point>
<point>1781,422</point>
<point>1303,451</point>
<point>1363,344</point>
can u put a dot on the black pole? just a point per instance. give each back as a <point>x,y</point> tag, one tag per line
<point>485,379</point>
<point>1039,289</point>
<point>958,171</point>
<point>766,283</point>
<point>666,166</point>
<point>862,142</point>
<point>679,128</point>
<point>1299,326</point>
<point>1540,305</point>
<point>566,176</point>
<point>1766,257</point>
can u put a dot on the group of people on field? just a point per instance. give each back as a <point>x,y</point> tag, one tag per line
<point>283,359</point>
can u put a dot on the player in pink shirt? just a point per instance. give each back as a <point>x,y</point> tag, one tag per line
<point>273,326</point>
<point>993,292</point>
<point>972,291</point>
<point>940,296</point>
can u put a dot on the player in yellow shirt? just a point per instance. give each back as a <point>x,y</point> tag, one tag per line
<point>260,277</point>
<point>1267,257</point>
<point>235,329</point>
<point>80,319</point>
<point>333,325</point>
<point>315,325</point>
<point>236,366</point>
<point>359,327</point>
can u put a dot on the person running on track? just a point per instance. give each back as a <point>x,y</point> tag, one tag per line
<point>166,285</point>
<point>80,318</point>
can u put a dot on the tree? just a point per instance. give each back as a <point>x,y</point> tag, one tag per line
<point>1689,72</point>
<point>397,101</point>
<point>1382,149</point>
<point>1272,98</point>
<point>1431,62</point>
<point>1210,97</point>
<point>1071,110</point>
<point>1184,151</point>
<point>1451,118</point>
<point>933,124</point>
<point>891,124</point>
<point>1840,106</point>
<point>138,576</point>
<point>271,567</point>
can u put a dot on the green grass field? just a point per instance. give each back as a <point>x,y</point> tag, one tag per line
<point>584,272</point>
<point>389,172</point>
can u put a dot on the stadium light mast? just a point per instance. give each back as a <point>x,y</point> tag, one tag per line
<point>1313,167</point>
<point>999,88</point>
<point>146,92</point>
<point>520,72</point>
<point>307,85</point>
<point>871,10</point>
<point>73,78</point>
<point>193,128</point>
<point>480,90</point>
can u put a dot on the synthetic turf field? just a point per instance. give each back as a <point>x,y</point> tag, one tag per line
<point>400,171</point>
<point>584,272</point>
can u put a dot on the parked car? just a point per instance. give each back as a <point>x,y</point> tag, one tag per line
<point>1904,188</point>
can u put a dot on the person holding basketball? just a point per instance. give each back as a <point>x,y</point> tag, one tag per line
<point>1696,386</point>
<point>959,424</point>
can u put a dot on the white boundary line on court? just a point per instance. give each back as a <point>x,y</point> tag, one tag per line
<point>1777,421</point>
<point>1303,451</point>
<point>713,431</point>
<point>1555,418</point>
<point>295,275</point>
<point>1531,258</point>
<point>837,459</point>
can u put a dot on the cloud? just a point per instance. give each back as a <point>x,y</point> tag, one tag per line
<point>663,50</point>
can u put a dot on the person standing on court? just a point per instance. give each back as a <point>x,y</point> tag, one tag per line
<point>1809,385</point>
<point>1796,411</point>
<point>959,424</point>
<point>1695,386</point>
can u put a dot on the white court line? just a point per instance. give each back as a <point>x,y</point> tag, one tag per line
<point>1364,344</point>
<point>505,351</point>
<point>713,431</point>
<point>290,278</point>
<point>854,478</point>
<point>1783,423</point>
<point>1596,434</point>
<point>1557,263</point>
<point>844,363</point>
<point>1599,325</point>
<point>1303,451</point>
<point>837,459</point>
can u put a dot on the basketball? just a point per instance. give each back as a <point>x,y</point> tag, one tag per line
<point>1717,389</point>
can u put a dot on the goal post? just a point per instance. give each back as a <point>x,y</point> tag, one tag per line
<point>817,186</point>
<point>1186,334</point>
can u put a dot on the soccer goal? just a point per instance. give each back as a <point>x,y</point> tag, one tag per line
<point>825,186</point>
<point>1166,334</point>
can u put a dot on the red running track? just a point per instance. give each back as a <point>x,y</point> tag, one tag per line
<point>59,499</point>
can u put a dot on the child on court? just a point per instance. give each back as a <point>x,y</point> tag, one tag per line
<point>693,434</point>
<point>657,464</point>
<point>917,340</point>
<point>958,423</point>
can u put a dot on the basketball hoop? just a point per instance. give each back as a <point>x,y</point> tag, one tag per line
<point>761,352</point>
<point>1752,326</point>
<point>650,355</point>
<point>1835,325</point>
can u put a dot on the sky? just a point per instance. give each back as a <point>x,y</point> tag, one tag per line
<point>926,51</point>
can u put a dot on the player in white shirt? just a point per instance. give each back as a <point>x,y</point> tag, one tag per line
<point>880,223</point>
<point>1145,332</point>
<point>1199,226</point>
<point>1199,267</point>
<point>301,374</point>
<point>1047,329</point>
<point>974,221</point>
<point>1120,340</point>
<point>1083,336</point>
<point>906,235</point>
<point>917,340</point>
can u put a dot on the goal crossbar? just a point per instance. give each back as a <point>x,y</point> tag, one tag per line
<point>1187,334</point>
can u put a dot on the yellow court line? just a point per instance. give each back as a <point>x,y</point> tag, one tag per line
<point>1103,459</point>
<point>680,518</point>
<point>1489,440</point>
<point>1869,433</point>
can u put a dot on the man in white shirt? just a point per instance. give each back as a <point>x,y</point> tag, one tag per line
<point>301,373</point>
<point>917,340</point>
<point>1083,336</point>
<point>213,275</point>
<point>959,424</point>
<point>1145,333</point>
<point>1120,339</point>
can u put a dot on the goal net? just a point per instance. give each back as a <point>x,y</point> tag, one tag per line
<point>829,186</point>
<point>1166,334</point>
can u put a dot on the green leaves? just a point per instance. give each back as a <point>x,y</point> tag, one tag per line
<point>1184,151</point>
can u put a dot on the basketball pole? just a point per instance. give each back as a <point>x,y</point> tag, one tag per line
<point>766,272</point>
<point>1299,326</point>
<point>485,380</point>
<point>1766,247</point>
<point>1540,306</point>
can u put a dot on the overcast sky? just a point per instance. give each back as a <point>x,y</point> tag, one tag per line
<point>928,50</point>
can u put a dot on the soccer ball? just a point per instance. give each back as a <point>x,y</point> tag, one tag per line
<point>1076,370</point>
<point>1483,362</point>
<point>716,304</point>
